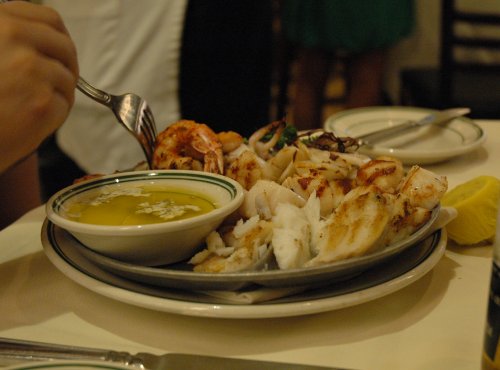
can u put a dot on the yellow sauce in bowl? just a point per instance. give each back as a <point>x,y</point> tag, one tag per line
<point>136,205</point>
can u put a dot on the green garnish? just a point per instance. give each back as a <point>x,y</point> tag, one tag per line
<point>287,137</point>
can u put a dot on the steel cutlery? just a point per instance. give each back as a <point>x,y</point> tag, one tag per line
<point>433,118</point>
<point>132,111</point>
<point>16,351</point>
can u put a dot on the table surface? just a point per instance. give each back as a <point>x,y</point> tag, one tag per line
<point>436,322</point>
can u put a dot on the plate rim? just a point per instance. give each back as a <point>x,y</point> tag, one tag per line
<point>62,364</point>
<point>248,311</point>
<point>427,156</point>
<point>263,278</point>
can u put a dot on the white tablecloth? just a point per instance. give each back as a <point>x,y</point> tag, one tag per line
<point>434,323</point>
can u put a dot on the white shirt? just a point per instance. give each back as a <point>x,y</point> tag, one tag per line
<point>123,46</point>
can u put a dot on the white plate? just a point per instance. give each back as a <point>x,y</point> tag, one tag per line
<point>181,276</point>
<point>405,268</point>
<point>67,365</point>
<point>430,144</point>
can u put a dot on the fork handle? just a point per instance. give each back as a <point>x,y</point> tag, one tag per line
<point>13,350</point>
<point>93,93</point>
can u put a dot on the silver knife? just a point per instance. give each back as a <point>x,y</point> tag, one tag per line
<point>14,351</point>
<point>433,118</point>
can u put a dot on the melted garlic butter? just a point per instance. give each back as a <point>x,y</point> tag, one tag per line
<point>139,205</point>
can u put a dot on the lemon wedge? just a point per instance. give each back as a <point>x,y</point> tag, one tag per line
<point>476,202</point>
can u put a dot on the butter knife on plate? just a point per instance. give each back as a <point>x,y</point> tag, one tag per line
<point>433,118</point>
<point>14,351</point>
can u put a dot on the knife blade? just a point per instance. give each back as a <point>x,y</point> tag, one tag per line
<point>16,351</point>
<point>433,118</point>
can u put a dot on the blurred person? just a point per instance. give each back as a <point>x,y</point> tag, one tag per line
<point>359,31</point>
<point>39,70</point>
<point>226,64</point>
<point>207,61</point>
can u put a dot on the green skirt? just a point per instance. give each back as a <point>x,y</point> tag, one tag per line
<point>348,25</point>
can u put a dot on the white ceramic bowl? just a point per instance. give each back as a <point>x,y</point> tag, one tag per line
<point>150,244</point>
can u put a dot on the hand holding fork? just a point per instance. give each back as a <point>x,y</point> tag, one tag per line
<point>131,110</point>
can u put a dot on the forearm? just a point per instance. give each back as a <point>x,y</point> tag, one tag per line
<point>19,190</point>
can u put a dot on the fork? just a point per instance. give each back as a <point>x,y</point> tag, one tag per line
<point>131,110</point>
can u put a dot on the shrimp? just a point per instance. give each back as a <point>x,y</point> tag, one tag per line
<point>188,145</point>
<point>230,140</point>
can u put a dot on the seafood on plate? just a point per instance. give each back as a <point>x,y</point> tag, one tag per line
<point>188,145</point>
<point>311,200</point>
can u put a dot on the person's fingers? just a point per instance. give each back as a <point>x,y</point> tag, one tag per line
<point>58,110</point>
<point>35,12</point>
<point>37,103</point>
<point>56,75</point>
<point>33,115</point>
<point>50,43</point>
<point>63,82</point>
<point>43,29</point>
<point>36,68</point>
